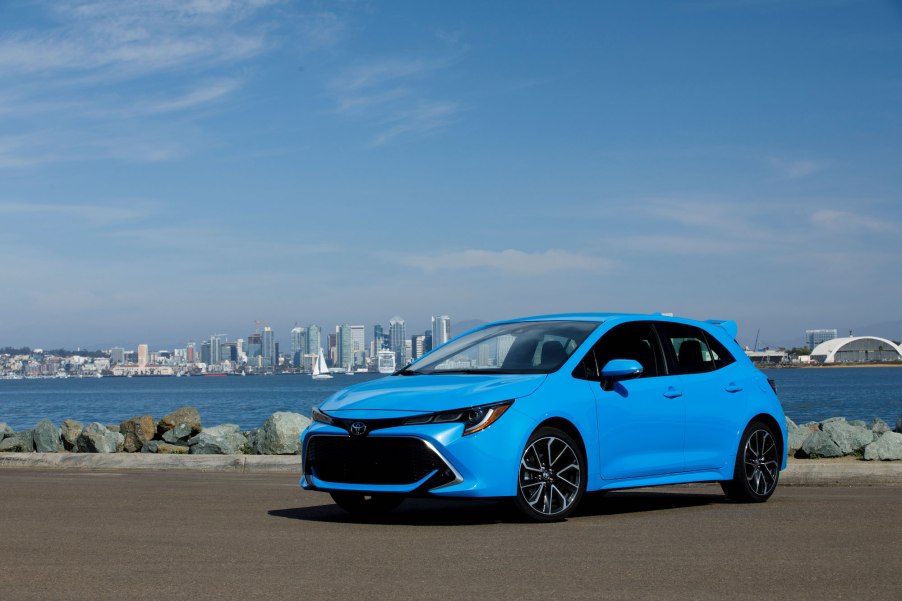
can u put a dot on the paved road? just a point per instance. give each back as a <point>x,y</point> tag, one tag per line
<point>154,535</point>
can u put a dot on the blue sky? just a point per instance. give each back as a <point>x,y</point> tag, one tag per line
<point>174,169</point>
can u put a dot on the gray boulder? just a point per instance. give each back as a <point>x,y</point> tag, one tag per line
<point>69,432</point>
<point>18,442</point>
<point>226,439</point>
<point>281,434</point>
<point>47,437</point>
<point>878,426</point>
<point>858,422</point>
<point>898,425</point>
<point>820,444</point>
<point>163,448</point>
<point>886,448</point>
<point>848,437</point>
<point>5,430</point>
<point>137,431</point>
<point>179,435</point>
<point>185,415</point>
<point>799,434</point>
<point>833,420</point>
<point>96,438</point>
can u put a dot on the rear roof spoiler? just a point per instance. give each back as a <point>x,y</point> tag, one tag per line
<point>727,324</point>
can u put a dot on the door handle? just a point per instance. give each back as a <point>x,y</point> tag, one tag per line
<point>672,393</point>
<point>732,387</point>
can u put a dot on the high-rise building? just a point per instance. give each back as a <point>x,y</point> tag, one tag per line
<point>117,355</point>
<point>190,352</point>
<point>397,339</point>
<point>215,349</point>
<point>298,345</point>
<point>427,342</point>
<point>358,338</point>
<point>441,330</point>
<point>378,339</point>
<point>314,340</point>
<point>205,352</point>
<point>344,349</point>
<point>417,346</point>
<point>142,355</point>
<point>254,350</point>
<point>815,337</point>
<point>269,347</point>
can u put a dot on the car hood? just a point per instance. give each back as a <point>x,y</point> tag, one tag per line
<point>427,393</point>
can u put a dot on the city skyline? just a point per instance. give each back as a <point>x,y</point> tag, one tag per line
<point>191,167</point>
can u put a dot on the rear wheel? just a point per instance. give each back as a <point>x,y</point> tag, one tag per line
<point>364,505</point>
<point>757,467</point>
<point>551,480</point>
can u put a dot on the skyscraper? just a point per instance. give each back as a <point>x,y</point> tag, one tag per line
<point>344,353</point>
<point>117,355</point>
<point>441,330</point>
<point>190,352</point>
<point>142,355</point>
<point>254,349</point>
<point>358,338</point>
<point>269,347</point>
<point>397,339</point>
<point>298,345</point>
<point>215,349</point>
<point>378,339</point>
<point>314,340</point>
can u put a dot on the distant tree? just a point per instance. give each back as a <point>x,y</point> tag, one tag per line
<point>800,350</point>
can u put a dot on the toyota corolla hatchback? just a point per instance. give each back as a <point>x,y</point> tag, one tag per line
<point>541,410</point>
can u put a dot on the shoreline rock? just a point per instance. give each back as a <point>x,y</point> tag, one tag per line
<point>181,432</point>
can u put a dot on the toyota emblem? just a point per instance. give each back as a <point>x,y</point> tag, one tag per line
<point>357,429</point>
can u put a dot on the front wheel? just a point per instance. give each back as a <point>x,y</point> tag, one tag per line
<point>757,467</point>
<point>364,505</point>
<point>551,479</point>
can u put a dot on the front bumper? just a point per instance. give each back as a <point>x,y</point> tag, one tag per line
<point>430,459</point>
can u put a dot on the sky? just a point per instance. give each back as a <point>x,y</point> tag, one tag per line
<point>180,168</point>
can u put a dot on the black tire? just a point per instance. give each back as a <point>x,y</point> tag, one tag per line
<point>551,478</point>
<point>364,505</point>
<point>757,468</point>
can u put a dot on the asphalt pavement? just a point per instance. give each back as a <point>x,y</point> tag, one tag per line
<point>67,534</point>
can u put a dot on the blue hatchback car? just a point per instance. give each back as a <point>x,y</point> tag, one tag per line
<point>542,409</point>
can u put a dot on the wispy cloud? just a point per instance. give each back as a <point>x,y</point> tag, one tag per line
<point>516,262</point>
<point>96,215</point>
<point>390,94</point>
<point>796,168</point>
<point>833,220</point>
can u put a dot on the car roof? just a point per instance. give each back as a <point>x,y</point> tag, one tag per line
<point>728,325</point>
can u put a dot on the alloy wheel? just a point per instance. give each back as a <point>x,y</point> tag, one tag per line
<point>550,476</point>
<point>762,465</point>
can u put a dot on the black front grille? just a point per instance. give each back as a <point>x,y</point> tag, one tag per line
<point>374,460</point>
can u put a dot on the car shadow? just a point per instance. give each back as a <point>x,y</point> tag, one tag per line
<point>442,512</point>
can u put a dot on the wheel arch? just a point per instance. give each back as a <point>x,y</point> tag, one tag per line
<point>771,421</point>
<point>567,426</point>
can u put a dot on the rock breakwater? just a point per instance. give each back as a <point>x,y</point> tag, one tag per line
<point>179,432</point>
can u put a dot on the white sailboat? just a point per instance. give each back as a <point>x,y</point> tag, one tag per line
<point>320,369</point>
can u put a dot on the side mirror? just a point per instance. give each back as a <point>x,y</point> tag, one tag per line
<point>621,369</point>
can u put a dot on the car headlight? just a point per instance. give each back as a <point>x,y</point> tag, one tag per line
<point>474,419</point>
<point>319,416</point>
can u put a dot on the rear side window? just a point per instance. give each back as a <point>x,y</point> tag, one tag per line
<point>694,351</point>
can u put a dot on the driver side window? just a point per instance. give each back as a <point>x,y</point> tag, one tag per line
<point>635,340</point>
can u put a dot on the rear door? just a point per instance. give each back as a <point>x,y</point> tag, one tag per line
<point>713,394</point>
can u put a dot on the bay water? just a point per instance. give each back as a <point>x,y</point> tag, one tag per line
<point>808,394</point>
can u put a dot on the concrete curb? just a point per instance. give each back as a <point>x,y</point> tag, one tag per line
<point>798,473</point>
<point>153,462</point>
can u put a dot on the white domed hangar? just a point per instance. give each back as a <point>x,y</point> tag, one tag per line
<point>856,349</point>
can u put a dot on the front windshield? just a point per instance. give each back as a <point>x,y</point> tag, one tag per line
<point>532,347</point>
